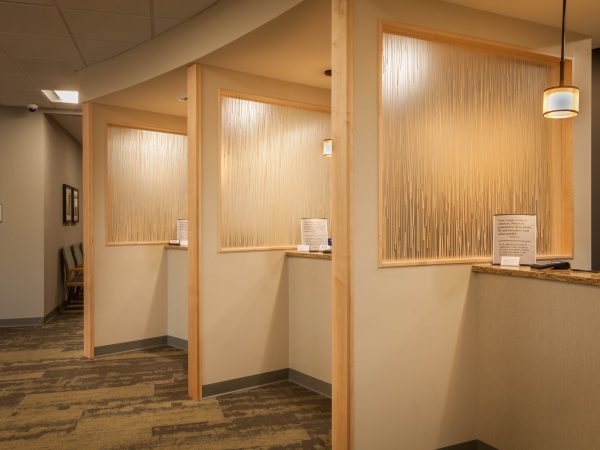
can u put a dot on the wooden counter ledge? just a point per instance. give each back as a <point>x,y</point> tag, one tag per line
<point>565,276</point>
<point>310,255</point>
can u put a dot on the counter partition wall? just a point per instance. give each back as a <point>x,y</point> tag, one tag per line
<point>461,138</point>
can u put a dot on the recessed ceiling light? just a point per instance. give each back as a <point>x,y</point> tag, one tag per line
<point>61,96</point>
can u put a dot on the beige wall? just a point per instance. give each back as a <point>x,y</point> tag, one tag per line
<point>130,282</point>
<point>63,166</point>
<point>244,313</point>
<point>22,149</point>
<point>539,360</point>
<point>415,328</point>
<point>177,294</point>
<point>36,157</point>
<point>310,317</point>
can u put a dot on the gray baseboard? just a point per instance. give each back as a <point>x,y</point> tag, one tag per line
<point>51,314</point>
<point>24,322</point>
<point>312,383</point>
<point>470,445</point>
<point>141,344</point>
<point>237,384</point>
<point>121,347</point>
<point>177,342</point>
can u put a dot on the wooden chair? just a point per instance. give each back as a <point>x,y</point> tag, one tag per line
<point>72,275</point>
<point>77,255</point>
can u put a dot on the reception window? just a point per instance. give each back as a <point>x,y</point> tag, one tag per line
<point>272,172</point>
<point>461,138</point>
<point>146,185</point>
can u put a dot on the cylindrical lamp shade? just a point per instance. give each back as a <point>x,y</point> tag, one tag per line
<point>561,102</point>
<point>327,147</point>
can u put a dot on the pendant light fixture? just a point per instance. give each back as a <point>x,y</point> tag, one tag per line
<point>561,102</point>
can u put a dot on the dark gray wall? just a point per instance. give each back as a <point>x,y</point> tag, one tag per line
<point>596,159</point>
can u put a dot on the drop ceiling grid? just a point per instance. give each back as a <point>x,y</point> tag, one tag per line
<point>43,43</point>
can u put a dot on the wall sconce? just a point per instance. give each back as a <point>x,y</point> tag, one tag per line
<point>328,148</point>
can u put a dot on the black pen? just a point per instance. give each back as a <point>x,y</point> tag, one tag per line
<point>584,270</point>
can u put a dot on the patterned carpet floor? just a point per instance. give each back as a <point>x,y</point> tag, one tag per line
<point>53,398</point>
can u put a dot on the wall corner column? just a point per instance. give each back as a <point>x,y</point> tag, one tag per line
<point>194,127</point>
<point>342,100</point>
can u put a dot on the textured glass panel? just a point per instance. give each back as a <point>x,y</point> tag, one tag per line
<point>272,172</point>
<point>462,138</point>
<point>146,185</point>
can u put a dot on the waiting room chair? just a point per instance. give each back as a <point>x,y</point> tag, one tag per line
<point>72,275</point>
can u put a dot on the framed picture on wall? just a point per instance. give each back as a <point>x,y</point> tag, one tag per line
<point>67,204</point>
<point>75,208</point>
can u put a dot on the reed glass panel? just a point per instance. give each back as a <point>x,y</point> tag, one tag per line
<point>272,173</point>
<point>146,185</point>
<point>462,137</point>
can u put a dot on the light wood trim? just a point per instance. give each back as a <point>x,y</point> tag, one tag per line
<point>443,36</point>
<point>194,131</point>
<point>255,249</point>
<point>271,100</point>
<point>567,207</point>
<point>88,232</point>
<point>566,201</point>
<point>342,123</point>
<point>117,244</point>
<point>439,262</point>
<point>131,126</point>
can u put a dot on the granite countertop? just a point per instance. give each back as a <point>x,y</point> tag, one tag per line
<point>175,247</point>
<point>564,276</point>
<point>310,255</point>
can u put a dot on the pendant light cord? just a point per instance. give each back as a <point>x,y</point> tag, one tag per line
<point>562,45</point>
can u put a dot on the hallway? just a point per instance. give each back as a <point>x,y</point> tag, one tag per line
<point>51,397</point>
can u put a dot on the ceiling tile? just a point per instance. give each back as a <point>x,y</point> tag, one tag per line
<point>108,26</point>
<point>180,9</point>
<point>30,19</point>
<point>138,7</point>
<point>7,67</point>
<point>47,67</point>
<point>95,51</point>
<point>162,24</point>
<point>22,97</point>
<point>56,48</point>
<point>63,83</point>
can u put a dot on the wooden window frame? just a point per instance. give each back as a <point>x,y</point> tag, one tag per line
<point>107,178</point>
<point>399,29</point>
<point>261,99</point>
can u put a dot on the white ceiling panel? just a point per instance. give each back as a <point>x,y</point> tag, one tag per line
<point>62,83</point>
<point>96,50</point>
<point>22,97</point>
<point>180,9</point>
<point>583,16</point>
<point>7,67</point>
<point>27,46</point>
<point>47,67</point>
<point>30,19</point>
<point>108,26</point>
<point>137,7</point>
<point>43,43</point>
<point>162,24</point>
